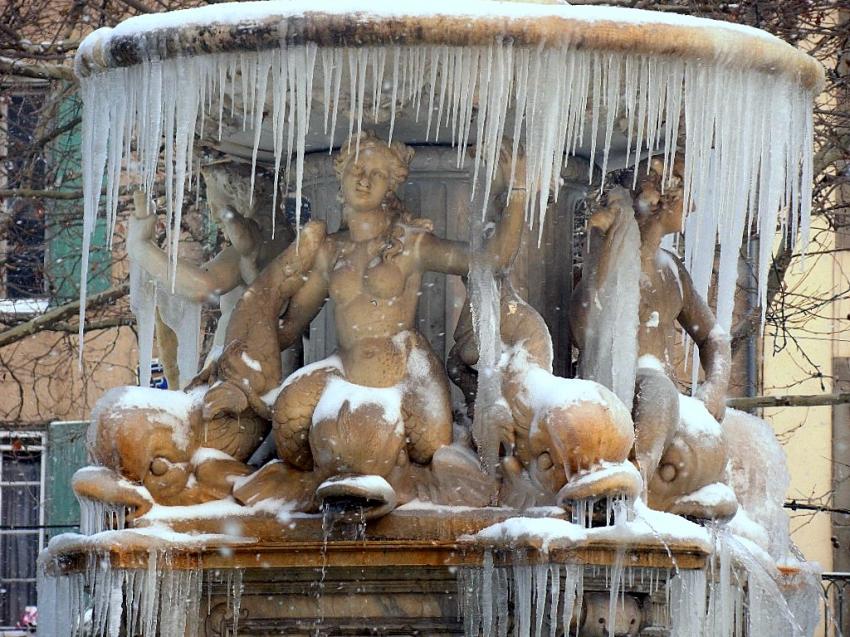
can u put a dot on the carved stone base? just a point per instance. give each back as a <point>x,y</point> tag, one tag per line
<point>271,576</point>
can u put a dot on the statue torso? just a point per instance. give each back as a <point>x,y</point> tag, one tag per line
<point>660,305</point>
<point>375,299</point>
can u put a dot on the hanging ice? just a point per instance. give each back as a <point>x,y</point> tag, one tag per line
<point>733,173</point>
<point>609,354</point>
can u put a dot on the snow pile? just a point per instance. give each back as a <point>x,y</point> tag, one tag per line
<point>171,409</point>
<point>543,533</point>
<point>625,524</point>
<point>232,13</point>
<point>340,392</point>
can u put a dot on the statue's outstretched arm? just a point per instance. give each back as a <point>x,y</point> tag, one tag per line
<point>715,352</point>
<point>197,283</point>
<point>452,257</point>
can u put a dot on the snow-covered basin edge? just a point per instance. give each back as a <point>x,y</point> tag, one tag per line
<point>648,527</point>
<point>246,12</point>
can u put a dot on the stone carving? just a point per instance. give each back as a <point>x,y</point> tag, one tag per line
<point>558,433</point>
<point>679,446</point>
<point>372,423</point>
<point>380,406</point>
<point>246,222</point>
<point>186,447</point>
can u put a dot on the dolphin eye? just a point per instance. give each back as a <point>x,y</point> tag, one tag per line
<point>159,466</point>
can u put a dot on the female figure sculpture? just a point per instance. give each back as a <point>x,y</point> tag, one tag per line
<point>678,451</point>
<point>373,271</point>
<point>382,400</point>
<point>247,226</point>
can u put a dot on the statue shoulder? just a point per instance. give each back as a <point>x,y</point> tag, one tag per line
<point>676,267</point>
<point>411,231</point>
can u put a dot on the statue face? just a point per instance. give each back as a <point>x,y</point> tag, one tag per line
<point>366,181</point>
<point>672,209</point>
<point>665,208</point>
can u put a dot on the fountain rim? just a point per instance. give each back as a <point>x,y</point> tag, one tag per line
<point>625,31</point>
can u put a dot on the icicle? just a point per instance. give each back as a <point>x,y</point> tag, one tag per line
<point>327,77</point>
<point>143,306</point>
<point>503,590</point>
<point>263,68</point>
<point>687,602</point>
<point>540,577</point>
<point>614,590</point>
<point>432,84</point>
<point>186,115</point>
<point>447,69</point>
<point>573,595</point>
<point>306,59</point>
<point>337,83</point>
<point>554,598</point>
<point>235,598</point>
<point>484,294</point>
<point>522,594</point>
<point>610,348</point>
<point>360,94</point>
<point>394,96</point>
<point>183,316</point>
<point>278,70</point>
<point>487,597</point>
<point>729,172</point>
<point>94,147</point>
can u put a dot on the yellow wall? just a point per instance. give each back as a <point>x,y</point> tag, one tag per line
<point>806,433</point>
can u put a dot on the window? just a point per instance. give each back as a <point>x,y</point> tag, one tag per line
<point>22,516</point>
<point>22,220</point>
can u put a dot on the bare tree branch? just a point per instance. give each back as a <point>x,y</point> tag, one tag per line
<point>40,194</point>
<point>748,325</point>
<point>90,326</point>
<point>55,316</point>
<point>37,70</point>
<point>138,6</point>
<point>810,400</point>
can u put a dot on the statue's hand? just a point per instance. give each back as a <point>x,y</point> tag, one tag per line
<point>502,178</point>
<point>714,400</point>
<point>244,234</point>
<point>142,222</point>
<point>618,211</point>
<point>602,219</point>
<point>620,198</point>
<point>615,222</point>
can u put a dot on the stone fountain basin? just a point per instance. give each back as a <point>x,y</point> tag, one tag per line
<point>257,26</point>
<point>432,536</point>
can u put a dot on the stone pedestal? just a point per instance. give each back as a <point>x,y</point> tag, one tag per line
<point>404,577</point>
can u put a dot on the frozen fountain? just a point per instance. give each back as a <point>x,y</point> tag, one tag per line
<point>382,477</point>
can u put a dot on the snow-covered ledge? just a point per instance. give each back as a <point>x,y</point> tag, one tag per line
<point>227,27</point>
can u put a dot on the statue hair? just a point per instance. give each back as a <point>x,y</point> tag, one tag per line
<point>400,155</point>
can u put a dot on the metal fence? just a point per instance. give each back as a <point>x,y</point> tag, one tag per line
<point>836,589</point>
